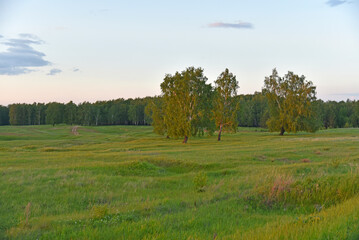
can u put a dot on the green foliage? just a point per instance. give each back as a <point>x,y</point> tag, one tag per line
<point>186,98</point>
<point>290,100</point>
<point>4,115</point>
<point>99,211</point>
<point>225,105</point>
<point>136,112</point>
<point>70,113</point>
<point>253,110</point>
<point>200,181</point>
<point>155,110</point>
<point>117,112</point>
<point>27,114</point>
<point>338,114</point>
<point>55,113</point>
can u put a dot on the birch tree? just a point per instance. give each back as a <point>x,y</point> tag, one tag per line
<point>225,104</point>
<point>290,103</point>
<point>185,97</point>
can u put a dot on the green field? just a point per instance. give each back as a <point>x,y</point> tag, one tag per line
<point>125,182</point>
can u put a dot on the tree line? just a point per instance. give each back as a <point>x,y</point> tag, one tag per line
<point>250,110</point>
<point>253,112</point>
<point>113,112</point>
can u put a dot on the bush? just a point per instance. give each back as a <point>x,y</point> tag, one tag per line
<point>99,211</point>
<point>200,181</point>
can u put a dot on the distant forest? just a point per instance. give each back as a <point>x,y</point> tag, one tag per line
<point>253,112</point>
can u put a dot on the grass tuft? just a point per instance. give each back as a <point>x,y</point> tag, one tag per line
<point>99,211</point>
<point>200,181</point>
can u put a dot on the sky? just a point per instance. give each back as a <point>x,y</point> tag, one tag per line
<point>62,50</point>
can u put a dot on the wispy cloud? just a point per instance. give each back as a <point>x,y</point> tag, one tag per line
<point>30,36</point>
<point>20,56</point>
<point>54,71</point>
<point>237,25</point>
<point>334,3</point>
<point>75,70</point>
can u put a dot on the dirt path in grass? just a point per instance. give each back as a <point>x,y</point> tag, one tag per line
<point>74,130</point>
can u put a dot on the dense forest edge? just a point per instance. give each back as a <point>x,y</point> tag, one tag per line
<point>252,110</point>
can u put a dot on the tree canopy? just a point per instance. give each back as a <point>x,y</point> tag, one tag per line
<point>55,113</point>
<point>225,104</point>
<point>290,103</point>
<point>186,97</point>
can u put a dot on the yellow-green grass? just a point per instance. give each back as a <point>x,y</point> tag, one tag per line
<point>124,182</point>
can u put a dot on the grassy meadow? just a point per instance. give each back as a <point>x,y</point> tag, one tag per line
<point>125,182</point>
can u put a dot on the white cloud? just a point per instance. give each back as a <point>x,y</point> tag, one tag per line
<point>230,25</point>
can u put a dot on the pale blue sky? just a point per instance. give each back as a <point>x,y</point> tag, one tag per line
<point>63,50</point>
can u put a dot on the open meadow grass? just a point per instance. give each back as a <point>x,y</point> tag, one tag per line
<point>125,182</point>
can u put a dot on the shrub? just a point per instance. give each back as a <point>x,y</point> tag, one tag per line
<point>200,181</point>
<point>99,211</point>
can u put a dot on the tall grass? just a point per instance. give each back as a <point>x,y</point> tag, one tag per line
<point>311,193</point>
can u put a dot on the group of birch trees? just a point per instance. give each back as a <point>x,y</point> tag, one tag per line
<point>191,106</point>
